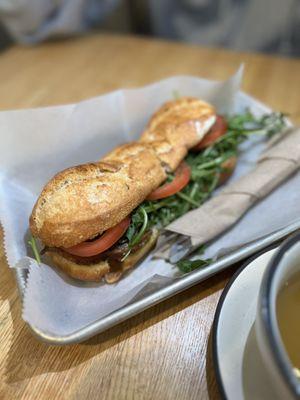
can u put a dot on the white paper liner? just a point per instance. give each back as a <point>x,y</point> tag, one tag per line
<point>38,143</point>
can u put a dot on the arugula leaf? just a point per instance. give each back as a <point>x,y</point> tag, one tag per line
<point>32,244</point>
<point>136,229</point>
<point>206,167</point>
<point>186,266</point>
<point>137,238</point>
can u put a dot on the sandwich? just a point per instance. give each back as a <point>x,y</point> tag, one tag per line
<point>98,220</point>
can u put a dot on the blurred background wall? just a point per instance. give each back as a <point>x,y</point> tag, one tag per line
<point>270,26</point>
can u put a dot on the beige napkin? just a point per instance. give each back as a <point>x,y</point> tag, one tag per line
<point>276,164</point>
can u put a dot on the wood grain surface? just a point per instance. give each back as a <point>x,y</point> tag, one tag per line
<point>162,353</point>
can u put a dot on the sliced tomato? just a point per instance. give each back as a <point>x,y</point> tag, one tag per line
<point>228,168</point>
<point>218,129</point>
<point>181,179</point>
<point>104,242</point>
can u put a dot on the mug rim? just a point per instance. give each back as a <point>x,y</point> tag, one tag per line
<point>270,325</point>
<point>229,284</point>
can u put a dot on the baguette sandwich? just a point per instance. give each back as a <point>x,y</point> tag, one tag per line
<point>98,220</point>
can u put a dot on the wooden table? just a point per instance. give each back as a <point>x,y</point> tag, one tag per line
<point>161,353</point>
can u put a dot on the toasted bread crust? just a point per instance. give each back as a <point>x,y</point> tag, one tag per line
<point>88,273</point>
<point>95,272</point>
<point>180,111</point>
<point>181,124</point>
<point>83,201</point>
<point>169,155</point>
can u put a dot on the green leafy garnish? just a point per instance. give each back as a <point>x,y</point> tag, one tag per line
<point>138,236</point>
<point>137,228</point>
<point>186,266</point>
<point>206,167</point>
<point>32,244</point>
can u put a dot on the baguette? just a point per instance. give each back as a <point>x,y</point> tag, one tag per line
<point>85,200</point>
<point>177,127</point>
<point>82,202</point>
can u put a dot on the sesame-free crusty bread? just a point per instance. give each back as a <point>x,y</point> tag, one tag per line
<point>83,201</point>
<point>177,127</point>
<point>88,273</point>
<point>95,272</point>
<point>170,155</point>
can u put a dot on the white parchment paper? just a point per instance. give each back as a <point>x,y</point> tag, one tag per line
<point>37,143</point>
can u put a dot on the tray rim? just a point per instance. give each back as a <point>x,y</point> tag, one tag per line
<point>166,292</point>
<point>179,285</point>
